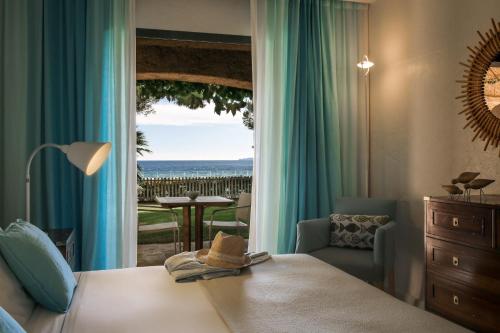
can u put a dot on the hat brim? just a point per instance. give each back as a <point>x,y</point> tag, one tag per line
<point>202,255</point>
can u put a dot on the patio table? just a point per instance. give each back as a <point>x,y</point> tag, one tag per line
<point>199,203</point>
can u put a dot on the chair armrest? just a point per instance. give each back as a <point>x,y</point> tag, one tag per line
<point>214,212</point>
<point>383,248</point>
<point>312,235</point>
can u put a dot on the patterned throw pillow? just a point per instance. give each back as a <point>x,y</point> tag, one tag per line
<point>356,231</point>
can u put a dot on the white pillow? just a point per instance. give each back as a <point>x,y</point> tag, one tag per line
<point>13,298</point>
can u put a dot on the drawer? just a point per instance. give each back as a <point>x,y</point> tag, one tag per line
<point>476,268</point>
<point>467,224</point>
<point>461,304</point>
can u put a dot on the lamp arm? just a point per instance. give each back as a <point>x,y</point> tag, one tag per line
<point>62,148</point>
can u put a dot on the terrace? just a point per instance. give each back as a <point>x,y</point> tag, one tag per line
<point>155,247</point>
<point>193,71</point>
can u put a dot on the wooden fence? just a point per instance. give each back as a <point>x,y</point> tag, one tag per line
<point>229,187</point>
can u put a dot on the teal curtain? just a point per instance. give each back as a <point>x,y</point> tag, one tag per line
<point>60,62</point>
<point>110,198</point>
<point>309,121</point>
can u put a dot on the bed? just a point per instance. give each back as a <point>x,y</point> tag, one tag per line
<point>288,293</point>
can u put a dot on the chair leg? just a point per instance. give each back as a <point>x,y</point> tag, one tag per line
<point>210,235</point>
<point>179,243</point>
<point>181,248</point>
<point>175,241</point>
<point>179,240</point>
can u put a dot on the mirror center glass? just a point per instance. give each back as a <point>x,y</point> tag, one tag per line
<point>492,88</point>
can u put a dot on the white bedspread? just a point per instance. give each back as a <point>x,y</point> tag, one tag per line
<point>139,300</point>
<point>289,293</point>
<point>298,293</point>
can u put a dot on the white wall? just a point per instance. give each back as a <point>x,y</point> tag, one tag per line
<point>210,16</point>
<point>418,141</point>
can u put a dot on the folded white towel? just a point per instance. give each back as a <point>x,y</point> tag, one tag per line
<point>184,267</point>
<point>258,257</point>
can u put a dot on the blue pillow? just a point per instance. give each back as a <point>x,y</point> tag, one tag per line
<point>38,264</point>
<point>8,324</point>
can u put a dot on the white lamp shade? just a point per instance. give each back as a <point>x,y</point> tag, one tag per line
<point>88,156</point>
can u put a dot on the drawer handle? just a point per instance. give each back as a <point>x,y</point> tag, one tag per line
<point>455,261</point>
<point>455,221</point>
<point>456,300</point>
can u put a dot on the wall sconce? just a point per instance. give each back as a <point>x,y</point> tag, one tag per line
<point>365,64</point>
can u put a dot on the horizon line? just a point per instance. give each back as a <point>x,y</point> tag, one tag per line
<point>238,159</point>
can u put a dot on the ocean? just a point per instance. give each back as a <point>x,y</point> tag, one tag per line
<point>161,169</point>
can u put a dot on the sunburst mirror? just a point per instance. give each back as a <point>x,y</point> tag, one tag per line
<point>481,88</point>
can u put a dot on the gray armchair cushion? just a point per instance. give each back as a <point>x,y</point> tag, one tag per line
<point>356,262</point>
<point>312,235</point>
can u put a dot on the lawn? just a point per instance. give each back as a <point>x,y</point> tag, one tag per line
<point>151,213</point>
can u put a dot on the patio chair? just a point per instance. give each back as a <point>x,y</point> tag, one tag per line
<point>166,226</point>
<point>242,216</point>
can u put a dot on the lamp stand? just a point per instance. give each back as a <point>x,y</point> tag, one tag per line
<point>28,166</point>
<point>86,156</point>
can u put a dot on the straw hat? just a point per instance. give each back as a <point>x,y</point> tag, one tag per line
<point>227,251</point>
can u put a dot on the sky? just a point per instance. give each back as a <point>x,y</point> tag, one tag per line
<point>179,133</point>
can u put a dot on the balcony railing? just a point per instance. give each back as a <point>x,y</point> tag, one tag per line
<point>229,187</point>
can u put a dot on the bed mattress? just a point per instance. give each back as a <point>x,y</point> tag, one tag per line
<point>144,299</point>
<point>288,293</point>
<point>299,293</point>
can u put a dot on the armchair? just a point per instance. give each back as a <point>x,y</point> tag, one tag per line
<point>377,266</point>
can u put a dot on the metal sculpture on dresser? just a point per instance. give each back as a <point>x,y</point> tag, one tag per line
<point>477,184</point>
<point>469,182</point>
<point>454,191</point>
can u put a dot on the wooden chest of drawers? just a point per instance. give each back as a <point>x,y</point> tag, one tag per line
<point>462,244</point>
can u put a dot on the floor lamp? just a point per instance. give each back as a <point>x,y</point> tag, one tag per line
<point>86,156</point>
<point>365,64</point>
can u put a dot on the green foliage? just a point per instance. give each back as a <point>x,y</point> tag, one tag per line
<point>142,146</point>
<point>142,143</point>
<point>194,96</point>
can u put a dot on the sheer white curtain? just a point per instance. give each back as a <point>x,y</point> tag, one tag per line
<point>129,245</point>
<point>109,231</point>
<point>265,187</point>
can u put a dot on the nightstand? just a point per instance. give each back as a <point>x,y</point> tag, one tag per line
<point>64,239</point>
